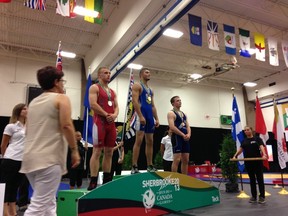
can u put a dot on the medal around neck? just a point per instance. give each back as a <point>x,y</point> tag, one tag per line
<point>109,103</point>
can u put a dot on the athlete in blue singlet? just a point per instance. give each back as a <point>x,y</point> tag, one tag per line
<point>179,125</point>
<point>146,120</point>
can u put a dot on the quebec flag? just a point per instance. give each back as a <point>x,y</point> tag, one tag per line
<point>237,132</point>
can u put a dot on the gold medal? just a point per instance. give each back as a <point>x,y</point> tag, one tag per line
<point>148,100</point>
<point>109,103</point>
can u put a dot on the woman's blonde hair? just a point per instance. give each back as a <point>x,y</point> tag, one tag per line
<point>16,112</point>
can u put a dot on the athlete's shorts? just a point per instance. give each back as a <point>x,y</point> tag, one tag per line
<point>104,134</point>
<point>150,124</point>
<point>180,145</point>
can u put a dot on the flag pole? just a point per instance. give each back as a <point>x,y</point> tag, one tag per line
<point>126,109</point>
<point>242,192</point>
<point>86,132</point>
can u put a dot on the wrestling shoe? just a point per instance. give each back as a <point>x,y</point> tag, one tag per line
<point>92,186</point>
<point>253,200</point>
<point>151,168</point>
<point>134,169</point>
<point>261,200</point>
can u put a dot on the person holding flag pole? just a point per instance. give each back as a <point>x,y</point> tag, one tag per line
<point>281,144</point>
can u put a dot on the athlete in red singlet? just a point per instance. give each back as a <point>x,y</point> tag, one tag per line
<point>103,102</point>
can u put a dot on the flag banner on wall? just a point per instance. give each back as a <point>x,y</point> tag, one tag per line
<point>279,136</point>
<point>273,51</point>
<point>237,132</point>
<point>66,7</point>
<point>259,41</point>
<point>5,1</point>
<point>59,57</point>
<point>285,119</point>
<point>244,40</point>
<point>35,4</point>
<point>195,26</point>
<point>260,128</point>
<point>131,114</point>
<point>95,5</point>
<point>212,35</point>
<point>229,38</point>
<point>285,51</point>
<point>88,114</point>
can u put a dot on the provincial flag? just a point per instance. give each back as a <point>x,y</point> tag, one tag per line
<point>130,112</point>
<point>261,129</point>
<point>273,52</point>
<point>88,114</point>
<point>285,117</point>
<point>212,35</point>
<point>237,132</point>
<point>259,41</point>
<point>5,1</point>
<point>94,5</point>
<point>279,136</point>
<point>35,4</point>
<point>59,58</point>
<point>195,27</point>
<point>285,51</point>
<point>244,40</point>
<point>66,7</point>
<point>229,38</point>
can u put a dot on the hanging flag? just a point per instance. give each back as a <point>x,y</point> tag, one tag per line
<point>59,58</point>
<point>66,7</point>
<point>195,26</point>
<point>35,4</point>
<point>260,128</point>
<point>273,51</point>
<point>95,5</point>
<point>244,40</point>
<point>259,46</point>
<point>229,38</point>
<point>5,1</point>
<point>88,114</point>
<point>285,51</point>
<point>212,35</point>
<point>237,132</point>
<point>130,115</point>
<point>285,115</point>
<point>279,136</point>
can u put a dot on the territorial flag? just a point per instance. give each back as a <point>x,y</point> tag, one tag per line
<point>88,114</point>
<point>237,132</point>
<point>66,7</point>
<point>285,51</point>
<point>212,35</point>
<point>273,51</point>
<point>94,5</point>
<point>195,27</point>
<point>35,4</point>
<point>59,58</point>
<point>279,136</point>
<point>244,40</point>
<point>130,113</point>
<point>229,38</point>
<point>259,46</point>
<point>261,129</point>
<point>285,117</point>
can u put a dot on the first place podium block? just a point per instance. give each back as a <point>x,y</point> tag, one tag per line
<point>67,201</point>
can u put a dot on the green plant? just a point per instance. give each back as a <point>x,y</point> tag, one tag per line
<point>229,168</point>
<point>127,163</point>
<point>158,161</point>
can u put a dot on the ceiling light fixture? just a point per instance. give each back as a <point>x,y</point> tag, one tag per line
<point>135,66</point>
<point>67,54</point>
<point>195,76</point>
<point>250,84</point>
<point>172,33</point>
<point>85,12</point>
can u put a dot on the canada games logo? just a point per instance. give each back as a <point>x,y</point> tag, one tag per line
<point>148,199</point>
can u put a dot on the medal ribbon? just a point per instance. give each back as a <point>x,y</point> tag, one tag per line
<point>107,92</point>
